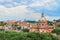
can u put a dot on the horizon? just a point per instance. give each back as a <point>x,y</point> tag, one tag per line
<point>29,9</point>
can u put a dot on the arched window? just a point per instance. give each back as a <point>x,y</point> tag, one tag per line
<point>42,24</point>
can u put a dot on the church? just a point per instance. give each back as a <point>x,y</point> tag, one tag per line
<point>41,25</point>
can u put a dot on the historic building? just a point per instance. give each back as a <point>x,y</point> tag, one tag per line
<point>39,26</point>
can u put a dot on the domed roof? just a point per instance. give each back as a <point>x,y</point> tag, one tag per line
<point>43,19</point>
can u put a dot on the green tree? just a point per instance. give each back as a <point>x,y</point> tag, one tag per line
<point>58,25</point>
<point>50,23</point>
<point>12,35</point>
<point>2,23</point>
<point>25,30</point>
<point>56,30</point>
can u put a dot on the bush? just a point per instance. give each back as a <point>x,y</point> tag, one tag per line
<point>12,35</point>
<point>1,29</point>
<point>25,30</point>
<point>56,30</point>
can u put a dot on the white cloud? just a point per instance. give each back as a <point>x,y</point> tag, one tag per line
<point>48,4</point>
<point>18,11</point>
<point>51,18</point>
<point>3,11</point>
<point>21,12</point>
<point>6,0</point>
<point>8,3</point>
<point>34,4</point>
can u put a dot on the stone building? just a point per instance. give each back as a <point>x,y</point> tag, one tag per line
<point>41,26</point>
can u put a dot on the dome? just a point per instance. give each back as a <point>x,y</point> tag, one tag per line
<point>43,19</point>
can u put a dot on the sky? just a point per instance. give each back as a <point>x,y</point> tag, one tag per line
<point>29,9</point>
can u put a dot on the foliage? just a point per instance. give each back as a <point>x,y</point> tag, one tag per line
<point>31,21</point>
<point>16,27</point>
<point>1,29</point>
<point>2,23</point>
<point>19,28</point>
<point>12,35</point>
<point>50,23</point>
<point>58,25</point>
<point>57,20</point>
<point>25,30</point>
<point>56,30</point>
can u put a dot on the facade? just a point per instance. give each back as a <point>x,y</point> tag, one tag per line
<point>41,26</point>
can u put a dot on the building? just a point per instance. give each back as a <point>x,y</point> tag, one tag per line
<point>41,26</point>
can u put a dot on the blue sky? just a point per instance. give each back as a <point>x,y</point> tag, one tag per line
<point>29,9</point>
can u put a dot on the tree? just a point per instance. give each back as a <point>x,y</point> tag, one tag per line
<point>56,30</point>
<point>25,30</point>
<point>50,23</point>
<point>12,35</point>
<point>19,28</point>
<point>58,25</point>
<point>15,26</point>
<point>57,20</point>
<point>2,23</point>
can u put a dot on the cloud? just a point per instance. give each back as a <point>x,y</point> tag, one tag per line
<point>14,3</point>
<point>13,12</point>
<point>18,11</point>
<point>21,13</point>
<point>26,9</point>
<point>48,4</point>
<point>51,18</point>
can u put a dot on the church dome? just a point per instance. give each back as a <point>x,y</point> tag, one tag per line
<point>43,19</point>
